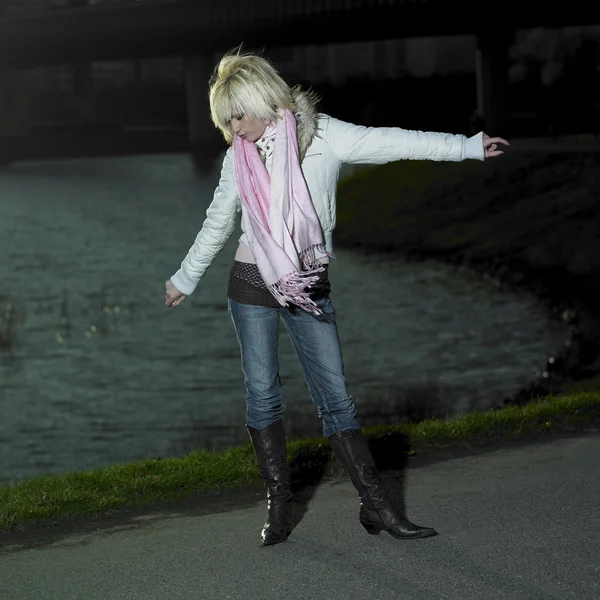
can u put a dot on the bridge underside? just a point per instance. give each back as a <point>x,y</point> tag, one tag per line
<point>197,29</point>
<point>192,27</point>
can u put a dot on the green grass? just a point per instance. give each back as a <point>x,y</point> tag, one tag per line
<point>105,490</point>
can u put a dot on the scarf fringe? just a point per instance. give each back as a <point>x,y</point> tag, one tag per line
<point>293,288</point>
<point>310,261</point>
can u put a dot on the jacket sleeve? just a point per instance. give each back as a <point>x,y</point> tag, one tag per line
<point>216,230</point>
<point>356,144</point>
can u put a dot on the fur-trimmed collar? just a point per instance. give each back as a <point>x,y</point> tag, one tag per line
<point>306,118</point>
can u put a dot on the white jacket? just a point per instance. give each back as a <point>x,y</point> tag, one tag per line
<point>334,142</point>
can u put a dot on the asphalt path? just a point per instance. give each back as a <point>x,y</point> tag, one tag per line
<point>520,522</point>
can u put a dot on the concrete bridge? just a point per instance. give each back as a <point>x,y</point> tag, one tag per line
<point>196,29</point>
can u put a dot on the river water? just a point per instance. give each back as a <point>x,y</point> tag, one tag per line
<point>95,370</point>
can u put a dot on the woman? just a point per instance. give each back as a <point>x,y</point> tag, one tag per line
<point>281,173</point>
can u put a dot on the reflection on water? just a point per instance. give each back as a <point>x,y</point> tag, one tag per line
<point>95,370</point>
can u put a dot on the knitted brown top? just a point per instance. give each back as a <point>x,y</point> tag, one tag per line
<point>247,286</point>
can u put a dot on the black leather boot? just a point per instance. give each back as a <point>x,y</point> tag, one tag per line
<point>270,450</point>
<point>377,511</point>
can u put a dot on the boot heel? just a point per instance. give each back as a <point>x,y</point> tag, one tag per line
<point>371,528</point>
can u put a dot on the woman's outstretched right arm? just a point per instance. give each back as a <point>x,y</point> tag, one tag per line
<point>216,230</point>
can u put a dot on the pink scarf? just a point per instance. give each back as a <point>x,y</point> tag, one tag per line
<point>281,224</point>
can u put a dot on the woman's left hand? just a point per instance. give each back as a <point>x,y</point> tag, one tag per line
<point>173,296</point>
<point>490,145</point>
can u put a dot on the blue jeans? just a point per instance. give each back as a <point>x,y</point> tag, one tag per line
<point>315,340</point>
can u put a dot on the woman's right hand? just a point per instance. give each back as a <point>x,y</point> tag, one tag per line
<point>173,296</point>
<point>490,146</point>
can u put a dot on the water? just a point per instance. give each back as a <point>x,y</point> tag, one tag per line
<point>95,370</point>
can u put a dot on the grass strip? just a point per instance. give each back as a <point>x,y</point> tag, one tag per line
<point>104,490</point>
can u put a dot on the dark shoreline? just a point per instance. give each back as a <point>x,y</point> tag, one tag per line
<point>573,298</point>
<point>579,358</point>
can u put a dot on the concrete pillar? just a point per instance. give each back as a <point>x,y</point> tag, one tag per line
<point>7,116</point>
<point>422,56</point>
<point>138,75</point>
<point>83,89</point>
<point>203,135</point>
<point>392,58</point>
<point>8,101</point>
<point>332,66</point>
<point>299,60</point>
<point>491,69</point>
<point>3,101</point>
<point>5,97</point>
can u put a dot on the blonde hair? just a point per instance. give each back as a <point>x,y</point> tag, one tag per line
<point>246,84</point>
